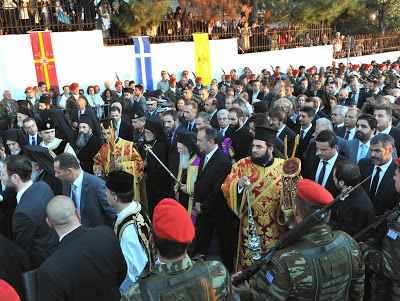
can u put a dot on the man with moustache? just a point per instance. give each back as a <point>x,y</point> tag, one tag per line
<point>261,174</point>
<point>88,144</point>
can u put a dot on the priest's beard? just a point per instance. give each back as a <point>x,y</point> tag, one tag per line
<point>149,139</point>
<point>44,115</point>
<point>261,160</point>
<point>20,123</point>
<point>35,175</point>
<point>184,160</point>
<point>15,152</point>
<point>83,139</point>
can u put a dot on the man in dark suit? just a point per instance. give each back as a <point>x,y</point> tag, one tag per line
<point>124,127</point>
<point>358,95</point>
<point>319,168</point>
<point>348,131</point>
<point>239,133</point>
<point>255,92</point>
<point>172,126</point>
<point>303,89</point>
<point>277,121</point>
<point>383,116</point>
<point>381,167</point>
<point>88,265</point>
<point>81,109</point>
<point>305,131</point>
<point>29,227</point>
<point>356,211</point>
<point>152,112</point>
<point>212,209</point>
<point>86,190</point>
<point>189,113</point>
<point>31,130</point>
<point>210,106</point>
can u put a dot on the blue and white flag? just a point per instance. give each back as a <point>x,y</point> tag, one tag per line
<point>143,62</point>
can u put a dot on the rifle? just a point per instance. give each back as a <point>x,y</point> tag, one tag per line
<point>223,71</point>
<point>117,77</point>
<point>380,221</point>
<point>193,74</point>
<point>273,70</point>
<point>292,236</point>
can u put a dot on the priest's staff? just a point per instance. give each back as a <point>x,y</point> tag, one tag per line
<point>254,246</point>
<point>147,148</point>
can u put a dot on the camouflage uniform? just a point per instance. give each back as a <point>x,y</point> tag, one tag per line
<point>6,117</point>
<point>385,263</point>
<point>171,95</point>
<point>116,98</point>
<point>288,275</point>
<point>71,106</point>
<point>219,274</point>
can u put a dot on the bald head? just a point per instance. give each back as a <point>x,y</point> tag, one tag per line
<point>62,213</point>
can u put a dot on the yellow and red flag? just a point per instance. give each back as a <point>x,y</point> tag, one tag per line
<point>202,57</point>
<point>43,57</point>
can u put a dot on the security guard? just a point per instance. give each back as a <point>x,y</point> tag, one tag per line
<point>175,275</point>
<point>384,261</point>
<point>321,265</point>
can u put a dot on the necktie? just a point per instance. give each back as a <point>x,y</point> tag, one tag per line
<point>33,141</point>
<point>374,184</point>
<point>301,135</point>
<point>205,162</point>
<point>347,135</point>
<point>322,173</point>
<point>363,153</point>
<point>73,197</point>
<point>169,138</point>
<point>222,132</point>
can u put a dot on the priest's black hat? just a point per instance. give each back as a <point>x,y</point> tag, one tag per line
<point>156,128</point>
<point>45,99</point>
<point>18,136</point>
<point>260,107</point>
<point>85,118</point>
<point>25,111</point>
<point>120,181</point>
<point>188,139</point>
<point>266,134</point>
<point>46,125</point>
<point>128,90</point>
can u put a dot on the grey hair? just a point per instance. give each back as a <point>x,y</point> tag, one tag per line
<point>325,122</point>
<point>384,139</point>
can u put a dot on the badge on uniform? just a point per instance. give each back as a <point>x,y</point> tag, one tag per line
<point>392,234</point>
<point>270,278</point>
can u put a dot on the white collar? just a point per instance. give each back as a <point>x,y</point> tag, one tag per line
<point>306,130</point>
<point>280,130</point>
<point>385,166</point>
<point>21,192</point>
<point>127,210</point>
<point>210,154</point>
<point>332,160</point>
<point>78,181</point>
<point>385,131</point>
<point>51,144</point>
<point>62,236</point>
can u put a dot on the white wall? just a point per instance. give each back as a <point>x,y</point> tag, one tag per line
<point>366,59</point>
<point>81,57</point>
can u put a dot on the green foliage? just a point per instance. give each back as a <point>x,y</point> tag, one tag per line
<point>140,14</point>
<point>387,14</point>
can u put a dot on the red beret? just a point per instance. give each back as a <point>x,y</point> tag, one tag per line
<point>118,83</point>
<point>366,66</point>
<point>252,75</point>
<point>74,86</point>
<point>342,67</point>
<point>197,80</point>
<point>28,89</point>
<point>171,221</point>
<point>7,292</point>
<point>329,67</point>
<point>277,74</point>
<point>397,162</point>
<point>395,65</point>
<point>355,66</point>
<point>310,69</point>
<point>295,71</point>
<point>382,65</point>
<point>172,80</point>
<point>228,76</point>
<point>313,194</point>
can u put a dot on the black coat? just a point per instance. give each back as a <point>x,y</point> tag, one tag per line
<point>125,130</point>
<point>214,121</point>
<point>87,153</point>
<point>395,133</point>
<point>30,230</point>
<point>260,96</point>
<point>7,208</point>
<point>241,141</point>
<point>207,188</point>
<point>354,213</point>
<point>88,265</point>
<point>386,195</point>
<point>88,111</point>
<point>173,154</point>
<point>309,171</point>
<point>13,262</point>
<point>303,143</point>
<point>362,97</point>
<point>291,136</point>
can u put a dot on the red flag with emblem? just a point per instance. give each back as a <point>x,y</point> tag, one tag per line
<point>43,57</point>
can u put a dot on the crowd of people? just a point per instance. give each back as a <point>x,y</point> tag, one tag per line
<point>124,201</point>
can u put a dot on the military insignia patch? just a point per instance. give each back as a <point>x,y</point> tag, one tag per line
<point>48,125</point>
<point>269,277</point>
<point>392,234</point>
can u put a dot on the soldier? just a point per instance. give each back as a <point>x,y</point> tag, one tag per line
<point>6,116</point>
<point>138,120</point>
<point>321,265</point>
<point>119,94</point>
<point>72,101</point>
<point>175,274</point>
<point>384,260</point>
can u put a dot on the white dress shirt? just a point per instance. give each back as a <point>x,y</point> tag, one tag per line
<point>22,191</point>
<point>34,136</point>
<point>328,169</point>
<point>209,155</point>
<point>384,168</point>
<point>305,131</point>
<point>385,131</point>
<point>134,253</point>
<point>223,130</point>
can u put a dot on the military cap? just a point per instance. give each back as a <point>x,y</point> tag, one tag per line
<point>187,87</point>
<point>228,76</point>
<point>85,118</point>
<point>197,80</point>
<point>73,86</point>
<point>313,194</point>
<point>266,134</point>
<point>342,67</point>
<point>138,114</point>
<point>46,125</point>
<point>120,181</point>
<point>260,107</point>
<point>395,65</point>
<point>128,90</point>
<point>172,80</point>
<point>28,89</point>
<point>295,71</point>
<point>252,76</point>
<point>381,65</point>
<point>329,67</point>
<point>366,66</point>
<point>276,74</point>
<point>45,99</point>
<point>151,100</point>
<point>118,83</point>
<point>171,221</point>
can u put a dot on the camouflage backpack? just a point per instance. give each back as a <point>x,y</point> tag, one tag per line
<point>193,284</point>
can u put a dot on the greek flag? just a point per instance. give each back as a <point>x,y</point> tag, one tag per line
<point>143,62</point>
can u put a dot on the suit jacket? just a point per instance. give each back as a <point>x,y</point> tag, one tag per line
<point>95,210</point>
<point>386,195</point>
<point>125,130</point>
<point>312,148</point>
<point>88,111</point>
<point>341,132</point>
<point>303,143</point>
<point>260,96</point>
<point>395,133</point>
<point>207,188</point>
<point>30,230</point>
<point>291,136</point>
<point>241,141</point>
<point>38,140</point>
<point>362,97</point>
<point>310,170</point>
<point>154,116</point>
<point>88,265</point>
<point>214,121</point>
<point>354,213</point>
<point>308,92</point>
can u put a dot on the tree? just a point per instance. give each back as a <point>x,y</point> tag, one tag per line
<point>387,14</point>
<point>214,9</point>
<point>138,15</point>
<point>307,11</point>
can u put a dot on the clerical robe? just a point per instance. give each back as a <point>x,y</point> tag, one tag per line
<point>265,196</point>
<point>128,156</point>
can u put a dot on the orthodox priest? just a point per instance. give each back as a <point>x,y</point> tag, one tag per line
<point>261,174</point>
<point>158,181</point>
<point>189,160</point>
<point>16,140</point>
<point>118,154</point>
